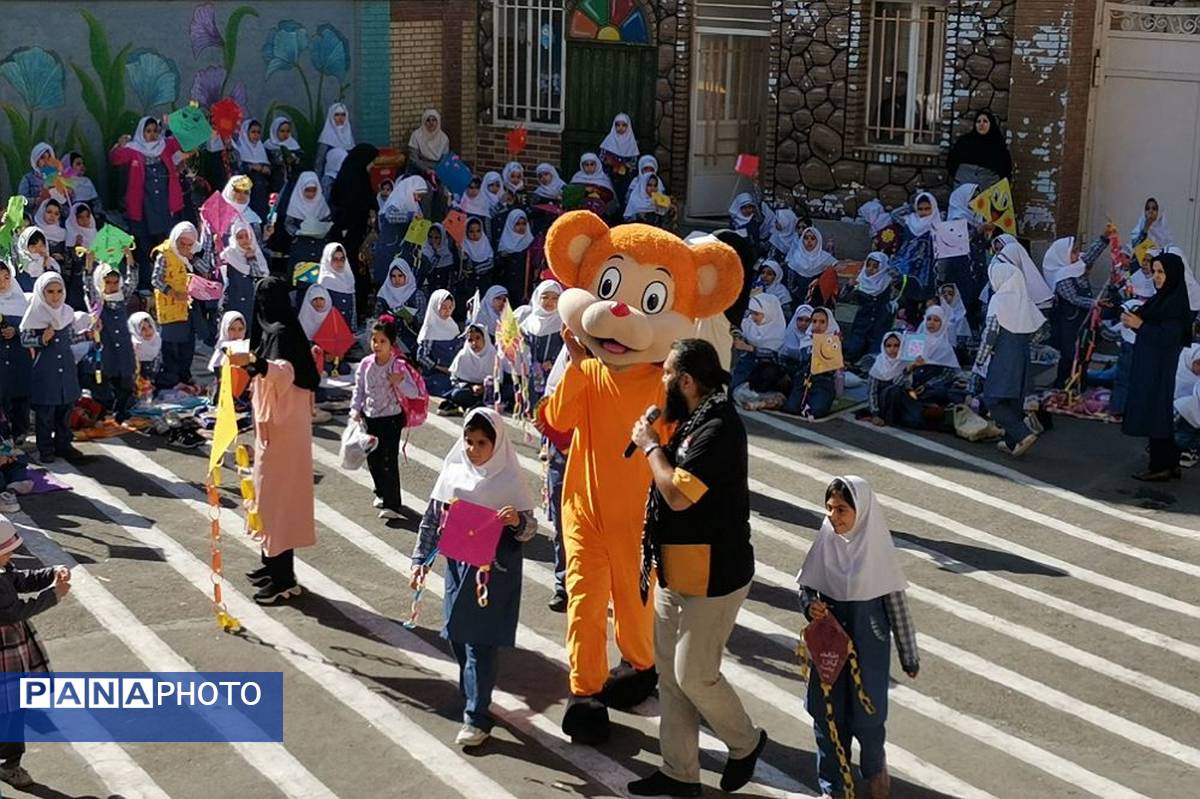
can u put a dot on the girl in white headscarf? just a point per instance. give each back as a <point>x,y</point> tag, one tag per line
<point>33,257</point>
<point>592,176</point>
<point>254,162</point>
<point>885,371</point>
<point>1040,292</point>
<point>873,294</point>
<point>812,395</point>
<point>437,343</point>
<point>315,309</point>
<point>852,574</point>
<point>83,190</point>
<point>181,256</point>
<point>307,219</point>
<point>1066,274</point>
<point>80,233</point>
<point>756,371</point>
<point>798,341</point>
<point>469,372</point>
<point>806,260</point>
<point>147,346</point>
<point>783,234</point>
<point>438,255</point>
<point>232,328</point>
<point>642,206</point>
<point>399,295</point>
<point>1152,224</point>
<point>477,249</point>
<point>47,329</point>
<point>402,206</point>
<point>283,151</point>
<point>428,144</point>
<point>770,281</point>
<point>744,214</point>
<point>33,185</point>
<point>488,310</point>
<point>238,192</point>
<point>337,277</point>
<point>49,219</point>
<point>1003,356</point>
<point>542,327</point>
<point>473,201</point>
<point>512,255</point>
<point>619,154</point>
<point>336,134</point>
<point>242,264</point>
<point>549,184</point>
<point>16,364</point>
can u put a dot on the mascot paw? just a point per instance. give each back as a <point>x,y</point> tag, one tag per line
<point>627,687</point>
<point>586,720</point>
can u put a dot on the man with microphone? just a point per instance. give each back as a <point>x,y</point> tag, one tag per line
<point>697,538</point>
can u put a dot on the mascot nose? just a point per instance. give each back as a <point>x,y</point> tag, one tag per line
<point>620,309</point>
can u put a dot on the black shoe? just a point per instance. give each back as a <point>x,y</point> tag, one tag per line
<point>586,720</point>
<point>659,784</point>
<point>558,604</point>
<point>738,771</point>
<point>69,453</point>
<point>273,593</point>
<point>46,457</point>
<point>261,582</point>
<point>258,574</point>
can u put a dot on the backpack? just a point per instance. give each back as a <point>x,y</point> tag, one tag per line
<point>415,408</point>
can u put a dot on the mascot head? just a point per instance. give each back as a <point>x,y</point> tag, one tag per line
<point>633,290</point>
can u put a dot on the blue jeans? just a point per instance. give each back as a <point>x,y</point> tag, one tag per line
<point>477,668</point>
<point>1186,437</point>
<point>1116,404</point>
<point>52,423</point>
<point>554,483</point>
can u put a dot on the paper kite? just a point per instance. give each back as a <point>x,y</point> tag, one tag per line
<point>109,246</point>
<point>14,220</point>
<point>226,118</point>
<point>455,225</point>
<point>516,139</point>
<point>994,205</point>
<point>189,126</point>
<point>305,272</point>
<point>454,173</point>
<point>218,214</point>
<point>334,336</point>
<point>746,165</point>
<point>826,353</point>
<point>418,232</point>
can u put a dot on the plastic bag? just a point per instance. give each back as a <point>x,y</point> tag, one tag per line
<point>357,444</point>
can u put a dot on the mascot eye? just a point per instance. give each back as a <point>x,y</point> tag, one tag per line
<point>610,281</point>
<point>654,299</point>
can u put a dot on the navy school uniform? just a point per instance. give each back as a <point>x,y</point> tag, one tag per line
<point>16,378</point>
<point>344,302</point>
<point>437,353</point>
<point>117,362</point>
<point>873,319</point>
<point>542,349</point>
<point>510,270</point>
<point>239,292</point>
<point>55,387</point>
<point>810,394</point>
<point>1008,380</point>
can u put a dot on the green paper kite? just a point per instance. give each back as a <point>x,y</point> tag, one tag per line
<point>190,126</point>
<point>109,246</point>
<point>14,218</point>
<point>572,197</point>
<point>418,232</point>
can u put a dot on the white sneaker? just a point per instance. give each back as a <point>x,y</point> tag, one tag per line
<point>9,504</point>
<point>377,503</point>
<point>1023,446</point>
<point>470,736</point>
<point>21,487</point>
<point>388,513</point>
<point>1034,423</point>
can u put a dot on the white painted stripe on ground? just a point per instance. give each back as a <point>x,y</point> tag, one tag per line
<point>1034,483</point>
<point>442,762</point>
<point>115,767</point>
<point>983,498</point>
<point>272,760</point>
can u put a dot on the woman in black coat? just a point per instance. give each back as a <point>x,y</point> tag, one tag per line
<point>1163,327</point>
<point>981,155</point>
<point>352,199</point>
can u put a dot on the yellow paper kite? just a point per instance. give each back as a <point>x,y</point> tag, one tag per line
<point>1144,249</point>
<point>225,431</point>
<point>994,205</point>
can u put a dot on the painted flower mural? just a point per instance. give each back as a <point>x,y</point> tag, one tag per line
<point>328,54</point>
<point>39,80</point>
<point>153,79</point>
<point>211,83</point>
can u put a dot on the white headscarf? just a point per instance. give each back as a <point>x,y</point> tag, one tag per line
<point>881,281</point>
<point>469,366</point>
<point>860,565</point>
<point>434,327</point>
<point>872,212</point>
<point>540,322</point>
<point>234,256</point>
<point>507,180</point>
<point>640,201</point>
<point>794,342</point>
<point>479,205</point>
<point>251,152</point>
<point>74,230</point>
<point>621,144</point>
<point>332,134</point>
<point>776,289</point>
<point>334,158</point>
<point>887,368</point>
<point>1039,290</point>
<point>440,256</point>
<point>1185,379</point>
<point>960,207</point>
<point>939,346</point>
<point>430,146</point>
<point>1128,334</point>
<point>1010,302</point>
<point>598,178</point>
<point>920,225</point>
<point>404,200</point>
<point>809,263</point>
<point>290,143</point>
<point>478,251</point>
<point>510,240</point>
<point>1189,407</point>
<point>39,315</point>
<point>218,357</point>
<point>647,160</point>
<point>397,297</point>
<point>555,189</point>
<point>150,149</point>
<point>484,314</point>
<point>1058,266</point>
<point>956,312</point>
<point>496,484</point>
<point>13,302</point>
<point>39,149</point>
<point>772,332</point>
<point>144,350</point>
<point>98,275</point>
<point>783,231</point>
<point>736,218</point>
<point>341,282</point>
<point>492,179</point>
<point>300,207</point>
<point>310,318</point>
<point>1143,284</point>
<point>1159,233</point>
<point>55,234</point>
<point>177,232</point>
<point>33,264</point>
<point>833,328</point>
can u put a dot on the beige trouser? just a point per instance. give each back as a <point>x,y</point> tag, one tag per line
<point>689,640</point>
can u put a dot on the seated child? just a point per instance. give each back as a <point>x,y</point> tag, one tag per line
<point>885,372</point>
<point>770,281</point>
<point>147,350</point>
<point>437,343</point>
<point>470,372</point>
<point>873,294</point>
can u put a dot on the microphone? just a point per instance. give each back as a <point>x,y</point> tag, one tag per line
<point>652,414</point>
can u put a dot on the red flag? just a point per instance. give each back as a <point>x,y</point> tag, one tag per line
<point>516,139</point>
<point>746,165</point>
<point>334,336</point>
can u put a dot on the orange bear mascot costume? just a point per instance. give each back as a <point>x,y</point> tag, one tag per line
<point>633,290</point>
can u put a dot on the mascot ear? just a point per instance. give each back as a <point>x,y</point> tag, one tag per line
<point>719,276</point>
<point>568,241</point>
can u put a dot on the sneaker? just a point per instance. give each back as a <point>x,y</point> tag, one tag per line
<point>23,487</point>
<point>16,776</point>
<point>377,503</point>
<point>559,603</point>
<point>1023,446</point>
<point>189,439</point>
<point>321,416</point>
<point>1187,460</point>
<point>1034,423</point>
<point>1003,447</point>
<point>470,736</point>
<point>271,594</point>
<point>388,513</point>
<point>8,502</point>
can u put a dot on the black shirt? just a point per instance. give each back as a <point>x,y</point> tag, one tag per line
<point>705,550</point>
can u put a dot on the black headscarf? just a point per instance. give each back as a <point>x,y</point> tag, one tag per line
<point>351,196</point>
<point>1171,301</point>
<point>277,335</point>
<point>989,152</point>
<point>746,252</point>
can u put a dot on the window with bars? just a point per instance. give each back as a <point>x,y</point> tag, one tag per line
<point>904,84</point>
<point>528,63</point>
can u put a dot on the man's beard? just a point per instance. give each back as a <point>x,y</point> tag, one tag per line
<point>677,407</point>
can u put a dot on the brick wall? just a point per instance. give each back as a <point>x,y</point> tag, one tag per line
<point>539,147</point>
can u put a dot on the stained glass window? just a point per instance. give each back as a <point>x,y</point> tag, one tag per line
<point>610,21</point>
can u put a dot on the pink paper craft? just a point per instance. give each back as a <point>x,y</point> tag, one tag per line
<point>470,533</point>
<point>218,214</point>
<point>200,288</point>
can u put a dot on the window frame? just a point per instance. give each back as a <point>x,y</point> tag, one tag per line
<point>539,10</point>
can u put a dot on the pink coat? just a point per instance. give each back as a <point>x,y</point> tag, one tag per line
<point>135,190</point>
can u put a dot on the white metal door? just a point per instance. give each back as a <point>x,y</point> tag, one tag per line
<point>1145,139</point>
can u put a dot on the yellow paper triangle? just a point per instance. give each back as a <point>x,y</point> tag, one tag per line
<point>225,431</point>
